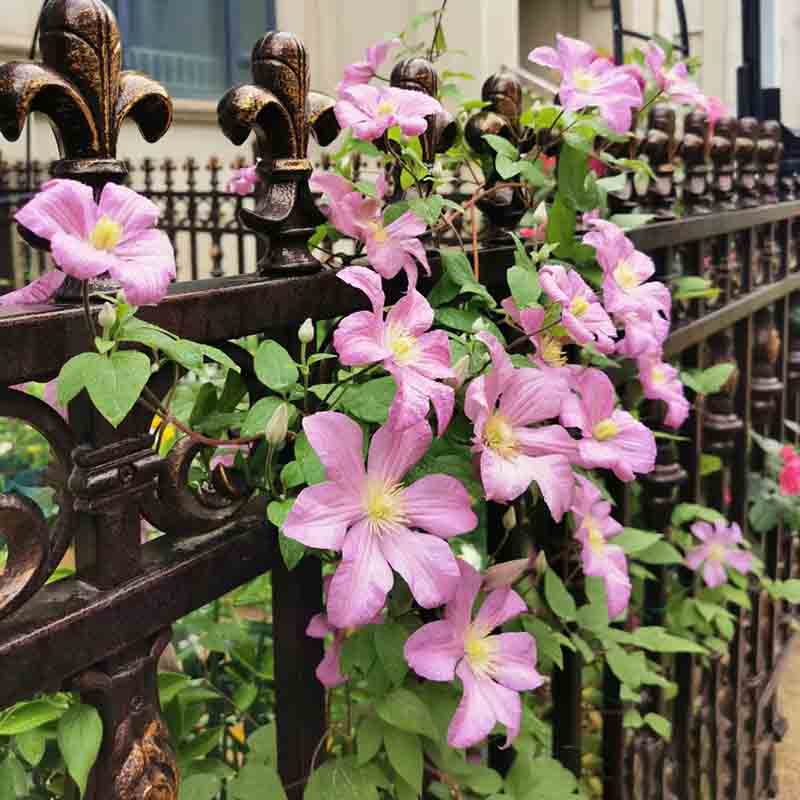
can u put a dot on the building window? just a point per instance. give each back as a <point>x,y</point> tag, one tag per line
<point>198,54</point>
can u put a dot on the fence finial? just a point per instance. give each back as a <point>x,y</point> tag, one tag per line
<point>503,91</point>
<point>281,111</point>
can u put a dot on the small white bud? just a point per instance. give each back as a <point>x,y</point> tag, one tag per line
<point>460,372</point>
<point>107,316</point>
<point>540,214</point>
<point>278,426</point>
<point>306,332</point>
<point>540,565</point>
<point>510,519</point>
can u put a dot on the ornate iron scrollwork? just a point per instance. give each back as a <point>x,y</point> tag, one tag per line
<point>281,111</point>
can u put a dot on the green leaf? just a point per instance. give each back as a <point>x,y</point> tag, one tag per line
<point>405,755</point>
<point>662,726</point>
<point>501,145</point>
<point>369,738</point>
<point>80,734</point>
<point>358,652</point>
<point>445,290</point>
<point>31,745</point>
<point>308,460</point>
<point>202,744</point>
<point>547,643</point>
<point>686,512</point>
<point>708,381</point>
<point>629,221</point>
<point>459,270</point>
<point>256,781</point>
<point>632,719</point>
<point>73,376</point>
<point>170,685</point>
<point>292,551</point>
<point>370,401</point>
<point>507,167</point>
<point>292,475</point>
<point>524,285</point>
<point>275,368</point>
<point>660,553</point>
<point>29,715</point>
<point>390,638</point>
<point>342,779</point>
<point>245,695</point>
<point>200,786</point>
<point>204,404</point>
<point>403,709</point>
<point>709,464</point>
<point>558,598</point>
<point>659,641</point>
<point>540,779</point>
<point>216,355</point>
<point>786,590</point>
<point>428,209</point>
<point>633,540</point>
<point>262,744</point>
<point>561,228</point>
<point>572,173</point>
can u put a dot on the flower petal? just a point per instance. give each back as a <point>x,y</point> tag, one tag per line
<point>426,563</point>
<point>714,573</point>
<point>338,442</point>
<point>76,257</point>
<point>329,672</point>
<point>459,609</point>
<point>39,291</point>
<point>131,210</point>
<point>530,397</point>
<point>434,651</point>
<point>361,581</point>
<point>367,281</point>
<point>515,661</point>
<point>321,516</point>
<point>547,440</point>
<point>358,340</point>
<point>439,504</point>
<point>62,206</point>
<point>499,606</point>
<point>413,313</point>
<point>144,266</point>
<point>392,453</point>
<point>319,627</point>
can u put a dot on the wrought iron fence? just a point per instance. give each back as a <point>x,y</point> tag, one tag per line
<point>102,630</point>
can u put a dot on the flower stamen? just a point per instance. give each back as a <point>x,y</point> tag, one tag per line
<point>499,436</point>
<point>605,429</point>
<point>106,234</point>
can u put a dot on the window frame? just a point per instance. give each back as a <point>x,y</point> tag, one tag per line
<point>237,52</point>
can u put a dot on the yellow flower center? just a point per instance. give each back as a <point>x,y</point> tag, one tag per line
<point>403,345</point>
<point>379,233</point>
<point>385,108</point>
<point>579,306</point>
<point>625,277</point>
<point>106,234</point>
<point>658,376</point>
<point>583,80</point>
<point>595,536</point>
<point>479,651</point>
<point>499,436</point>
<point>383,504</point>
<point>604,430</point>
<point>552,352</point>
<point>716,553</point>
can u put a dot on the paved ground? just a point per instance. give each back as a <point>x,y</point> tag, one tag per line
<point>789,749</point>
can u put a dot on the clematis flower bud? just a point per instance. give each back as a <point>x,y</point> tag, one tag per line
<point>506,574</point>
<point>510,519</point>
<point>540,565</point>
<point>107,316</point>
<point>460,372</point>
<point>278,426</point>
<point>306,332</point>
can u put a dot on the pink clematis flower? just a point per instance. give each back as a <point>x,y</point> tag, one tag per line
<point>329,672</point>
<point>371,110</point>
<point>492,668</point>
<point>675,81</point>
<point>600,559</point>
<point>376,521</point>
<point>581,313</point>
<point>590,81</point>
<point>390,248</point>
<point>719,548</point>
<point>626,285</point>
<point>361,72</point>
<point>612,438</point>
<point>243,181</point>
<point>117,236</point>
<point>645,333</point>
<point>502,405</point>
<point>789,477</point>
<point>715,109</point>
<point>416,357</point>
<point>39,291</point>
<point>660,381</point>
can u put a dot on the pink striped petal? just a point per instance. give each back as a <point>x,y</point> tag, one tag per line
<point>39,291</point>
<point>556,481</point>
<point>329,672</point>
<point>321,516</point>
<point>62,206</point>
<point>426,563</point>
<point>499,606</point>
<point>144,265</point>
<point>434,651</point>
<point>459,609</point>
<point>413,313</point>
<point>515,661</point>
<point>76,257</point>
<point>547,440</point>
<point>439,504</point>
<point>361,581</point>
<point>358,340</point>
<point>319,627</point>
<point>128,208</point>
<point>366,281</point>
<point>338,442</point>
<point>714,573</point>
<point>392,453</point>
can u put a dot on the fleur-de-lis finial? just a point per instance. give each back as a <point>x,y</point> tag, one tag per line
<point>281,111</point>
<point>80,85</point>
